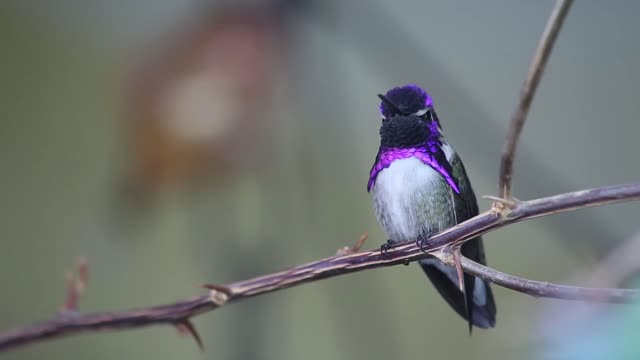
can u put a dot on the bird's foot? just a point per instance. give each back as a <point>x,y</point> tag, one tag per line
<point>384,248</point>
<point>422,241</point>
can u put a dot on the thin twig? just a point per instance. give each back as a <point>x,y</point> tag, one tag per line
<point>549,290</point>
<point>340,265</point>
<point>527,92</point>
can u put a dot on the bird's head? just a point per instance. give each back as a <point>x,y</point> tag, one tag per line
<point>408,118</point>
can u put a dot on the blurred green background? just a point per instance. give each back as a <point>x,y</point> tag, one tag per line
<point>279,176</point>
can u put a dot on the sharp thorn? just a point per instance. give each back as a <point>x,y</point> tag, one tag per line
<point>187,327</point>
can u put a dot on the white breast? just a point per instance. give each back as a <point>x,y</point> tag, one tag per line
<point>399,197</point>
<point>395,193</point>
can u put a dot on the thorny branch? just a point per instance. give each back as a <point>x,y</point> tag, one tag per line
<point>549,290</point>
<point>180,312</point>
<point>505,211</point>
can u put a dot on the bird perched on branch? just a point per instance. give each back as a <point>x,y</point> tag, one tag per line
<point>419,187</point>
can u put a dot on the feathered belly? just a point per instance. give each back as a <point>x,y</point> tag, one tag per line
<point>411,199</point>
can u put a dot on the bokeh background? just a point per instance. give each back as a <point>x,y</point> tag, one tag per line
<point>174,143</point>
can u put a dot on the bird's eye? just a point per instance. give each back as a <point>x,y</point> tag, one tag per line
<point>424,114</point>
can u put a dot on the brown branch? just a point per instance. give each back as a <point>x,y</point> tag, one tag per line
<point>527,92</point>
<point>549,290</point>
<point>181,311</point>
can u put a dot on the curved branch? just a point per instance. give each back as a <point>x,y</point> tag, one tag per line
<point>66,324</point>
<point>179,312</point>
<point>527,92</point>
<point>549,290</point>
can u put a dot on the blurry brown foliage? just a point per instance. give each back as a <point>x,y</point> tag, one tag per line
<point>196,105</point>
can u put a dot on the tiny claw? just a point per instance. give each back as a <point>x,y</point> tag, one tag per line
<point>421,242</point>
<point>384,248</point>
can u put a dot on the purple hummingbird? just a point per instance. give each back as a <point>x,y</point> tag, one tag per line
<point>419,187</point>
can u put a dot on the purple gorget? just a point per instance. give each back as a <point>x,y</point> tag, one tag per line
<point>425,154</point>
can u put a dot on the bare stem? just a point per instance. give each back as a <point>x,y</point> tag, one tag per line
<point>179,312</point>
<point>527,92</point>
<point>548,290</point>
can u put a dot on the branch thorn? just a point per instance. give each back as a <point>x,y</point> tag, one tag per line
<point>458,264</point>
<point>346,250</point>
<point>501,203</point>
<point>76,285</point>
<point>219,294</point>
<point>186,327</point>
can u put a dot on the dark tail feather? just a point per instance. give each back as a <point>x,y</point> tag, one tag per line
<point>477,307</point>
<point>468,285</point>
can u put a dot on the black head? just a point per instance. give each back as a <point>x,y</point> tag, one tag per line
<point>408,118</point>
<point>405,100</point>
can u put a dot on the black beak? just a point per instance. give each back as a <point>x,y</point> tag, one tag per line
<point>390,105</point>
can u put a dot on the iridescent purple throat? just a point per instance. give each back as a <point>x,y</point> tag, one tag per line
<point>425,154</point>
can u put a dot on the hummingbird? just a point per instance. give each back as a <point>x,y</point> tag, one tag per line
<point>419,187</point>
